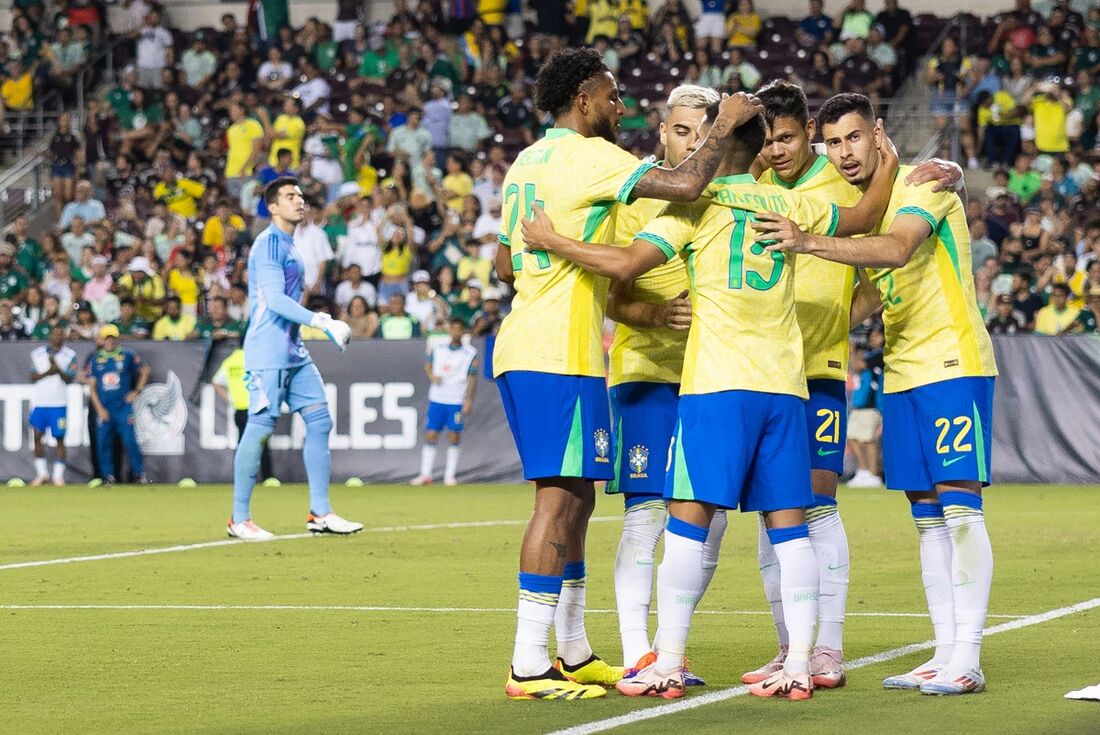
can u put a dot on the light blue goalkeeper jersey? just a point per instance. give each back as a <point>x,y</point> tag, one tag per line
<point>275,273</point>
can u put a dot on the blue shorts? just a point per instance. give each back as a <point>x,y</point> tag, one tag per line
<point>741,449</point>
<point>938,433</point>
<point>644,417</point>
<point>49,418</point>
<point>827,424</point>
<point>561,424</point>
<point>444,415</point>
<point>298,387</point>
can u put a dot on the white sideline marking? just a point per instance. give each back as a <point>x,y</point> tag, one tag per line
<point>723,694</point>
<point>286,537</point>
<point>379,608</point>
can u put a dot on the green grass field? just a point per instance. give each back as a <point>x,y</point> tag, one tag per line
<point>190,640</point>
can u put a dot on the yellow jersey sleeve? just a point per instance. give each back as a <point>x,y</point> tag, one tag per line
<point>673,228</point>
<point>823,289</point>
<point>934,330</point>
<point>650,355</point>
<point>556,322</point>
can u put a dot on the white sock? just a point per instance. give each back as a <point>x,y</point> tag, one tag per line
<point>679,587</point>
<point>59,470</point>
<point>798,584</point>
<point>935,566</point>
<point>713,546</point>
<point>41,467</point>
<point>831,549</point>
<point>573,646</point>
<point>535,615</point>
<point>769,574</point>
<point>451,465</point>
<point>643,525</point>
<point>427,460</point>
<point>972,572</point>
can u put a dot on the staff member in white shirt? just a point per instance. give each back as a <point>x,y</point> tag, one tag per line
<point>53,367</point>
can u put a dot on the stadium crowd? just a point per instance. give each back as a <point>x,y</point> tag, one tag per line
<point>401,133</point>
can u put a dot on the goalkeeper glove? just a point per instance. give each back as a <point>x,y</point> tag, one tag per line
<point>339,332</point>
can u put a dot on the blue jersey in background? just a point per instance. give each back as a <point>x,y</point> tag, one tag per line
<point>115,374</point>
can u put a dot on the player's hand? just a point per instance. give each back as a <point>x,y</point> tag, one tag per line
<point>339,332</point>
<point>676,313</point>
<point>436,380</point>
<point>779,233</point>
<point>467,406</point>
<point>739,108</point>
<point>538,230</point>
<point>946,174</point>
<point>131,396</point>
<point>102,414</point>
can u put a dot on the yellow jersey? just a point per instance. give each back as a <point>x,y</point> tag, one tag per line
<point>823,289</point>
<point>240,138</point>
<point>934,330</point>
<point>654,355</point>
<point>744,334</point>
<point>290,131</point>
<point>231,375</point>
<point>556,322</point>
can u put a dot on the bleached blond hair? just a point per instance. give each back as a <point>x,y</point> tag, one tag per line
<point>693,96</point>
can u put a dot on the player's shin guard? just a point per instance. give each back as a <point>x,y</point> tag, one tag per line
<point>972,572</point>
<point>538,601</point>
<point>246,462</point>
<point>450,465</point>
<point>713,546</point>
<point>572,640</point>
<point>679,588</point>
<point>427,459</point>
<point>830,544</point>
<point>769,575</point>
<point>935,564</point>
<point>798,582</point>
<point>643,524</point>
<point>315,454</point>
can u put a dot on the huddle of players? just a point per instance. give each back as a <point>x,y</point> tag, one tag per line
<point>749,400</point>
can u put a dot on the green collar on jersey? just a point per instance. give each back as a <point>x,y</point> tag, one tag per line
<point>735,179</point>
<point>552,133</point>
<point>812,171</point>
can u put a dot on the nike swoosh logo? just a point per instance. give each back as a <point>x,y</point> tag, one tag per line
<point>768,565</point>
<point>839,566</point>
<point>822,453</point>
<point>949,462</point>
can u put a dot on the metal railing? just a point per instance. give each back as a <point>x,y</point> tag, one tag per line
<point>25,186</point>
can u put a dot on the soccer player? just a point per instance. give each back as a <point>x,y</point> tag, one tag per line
<point>115,377</point>
<point>452,370</point>
<point>280,369</point>
<point>644,386</point>
<point>741,429</point>
<point>53,367</point>
<point>548,356</point>
<point>823,294</point>
<point>938,387</point>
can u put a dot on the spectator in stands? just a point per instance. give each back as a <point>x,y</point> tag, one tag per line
<point>897,23</point>
<point>244,137</point>
<point>182,280</point>
<point>710,28</point>
<point>51,316</point>
<point>1025,299</point>
<point>58,280</point>
<point>424,304</point>
<point>65,57</point>
<point>882,52</point>
<point>361,318</point>
<point>180,195</point>
<point>154,42</point>
<point>83,205</point>
<point>10,329</point>
<point>517,115</point>
<point>353,286</point>
<point>84,325</point>
<point>858,72</point>
<point>1086,319</point>
<point>142,284</point>
<point>129,324</point>
<point>100,283</point>
<point>740,75</point>
<point>13,280</point>
<point>65,150</point>
<point>1023,181</point>
<point>743,26</point>
<point>469,308</point>
<point>489,319</point>
<point>175,325</point>
<point>1056,317</point>
<point>816,28</point>
<point>1045,58</point>
<point>396,323</point>
<point>1006,319</point>
<point>468,127</point>
<point>865,418</point>
<point>1049,107</point>
<point>17,90</point>
<point>217,325</point>
<point>397,258</point>
<point>313,248</point>
<point>855,19</point>
<point>77,238</point>
<point>410,139</point>
<point>944,76</point>
<point>818,80</point>
<point>437,117</point>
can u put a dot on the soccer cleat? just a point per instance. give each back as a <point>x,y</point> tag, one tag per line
<point>914,678</point>
<point>58,482</point>
<point>647,659</point>
<point>690,679</point>
<point>272,482</point>
<point>781,684</point>
<point>593,671</point>
<point>40,481</point>
<point>450,481</point>
<point>421,480</point>
<point>650,683</point>
<point>969,682</point>
<point>550,685</point>
<point>827,668</point>
<point>772,667</point>
<point>247,531</point>
<point>331,523</point>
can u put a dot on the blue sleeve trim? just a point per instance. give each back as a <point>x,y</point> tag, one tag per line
<point>922,213</point>
<point>664,245</point>
<point>624,194</point>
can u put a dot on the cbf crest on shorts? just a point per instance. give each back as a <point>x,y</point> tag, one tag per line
<point>639,461</point>
<point>603,444</point>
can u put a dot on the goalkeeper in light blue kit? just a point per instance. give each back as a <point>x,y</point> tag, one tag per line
<point>278,368</point>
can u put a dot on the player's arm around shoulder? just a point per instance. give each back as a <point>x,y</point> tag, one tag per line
<point>625,308</point>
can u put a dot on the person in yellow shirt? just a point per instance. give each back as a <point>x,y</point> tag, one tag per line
<point>637,11</point>
<point>244,139</point>
<point>229,384</point>
<point>142,285</point>
<point>287,132</point>
<point>553,387</point>
<point>743,26</point>
<point>1058,316</point>
<point>741,438</point>
<point>472,265</point>
<point>457,184</point>
<point>1049,107</point>
<point>213,231</point>
<point>603,19</point>
<point>937,404</point>
<point>397,257</point>
<point>183,282</point>
<point>175,325</point>
<point>181,195</point>
<point>18,89</point>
